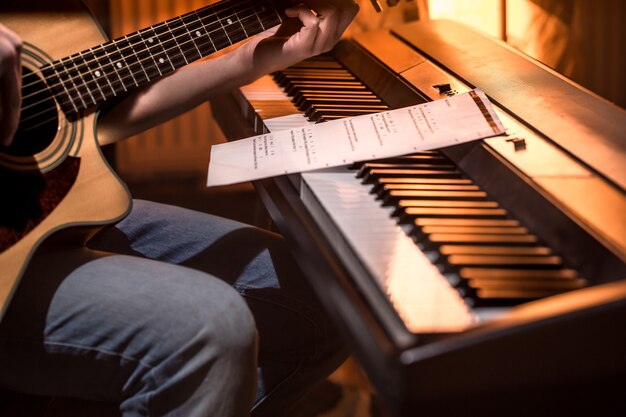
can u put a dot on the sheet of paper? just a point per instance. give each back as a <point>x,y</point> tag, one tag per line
<point>452,120</point>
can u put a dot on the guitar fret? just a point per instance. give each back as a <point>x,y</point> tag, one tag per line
<point>230,23</point>
<point>71,79</point>
<point>146,55</point>
<point>58,87</point>
<point>251,21</point>
<point>256,14</point>
<point>100,73</point>
<point>140,76</point>
<point>92,82</point>
<point>176,42</point>
<point>120,64</point>
<point>215,30</point>
<point>276,11</point>
<point>184,39</point>
<point>241,24</point>
<point>198,34</point>
<point>110,51</point>
<point>267,16</point>
<point>162,57</point>
<point>190,39</point>
<point>206,32</point>
<point>128,57</point>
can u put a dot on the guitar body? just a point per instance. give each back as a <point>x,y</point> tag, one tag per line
<point>56,193</point>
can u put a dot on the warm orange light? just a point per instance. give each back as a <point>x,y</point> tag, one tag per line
<point>483,15</point>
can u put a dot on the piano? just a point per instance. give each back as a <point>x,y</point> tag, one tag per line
<point>481,279</point>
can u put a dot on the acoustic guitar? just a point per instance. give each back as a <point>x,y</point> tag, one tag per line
<point>57,188</point>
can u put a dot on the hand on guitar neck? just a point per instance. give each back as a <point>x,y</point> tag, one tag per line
<point>313,28</point>
<point>10,84</point>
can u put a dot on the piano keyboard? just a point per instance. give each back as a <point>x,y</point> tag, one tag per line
<point>445,254</point>
<point>426,262</point>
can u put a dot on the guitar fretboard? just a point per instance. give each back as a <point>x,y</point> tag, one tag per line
<point>88,78</point>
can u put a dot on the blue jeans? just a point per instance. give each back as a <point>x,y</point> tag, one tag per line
<point>157,327</point>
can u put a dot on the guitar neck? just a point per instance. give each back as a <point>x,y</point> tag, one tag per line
<point>88,78</point>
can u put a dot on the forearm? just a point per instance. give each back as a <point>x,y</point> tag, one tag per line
<point>178,92</point>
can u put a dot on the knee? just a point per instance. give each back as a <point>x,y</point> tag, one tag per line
<point>228,323</point>
<point>216,318</point>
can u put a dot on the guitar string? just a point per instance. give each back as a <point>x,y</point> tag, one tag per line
<point>153,75</point>
<point>151,27</point>
<point>166,24</point>
<point>214,15</point>
<point>150,74</point>
<point>129,48</point>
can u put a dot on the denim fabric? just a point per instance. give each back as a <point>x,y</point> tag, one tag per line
<point>155,327</point>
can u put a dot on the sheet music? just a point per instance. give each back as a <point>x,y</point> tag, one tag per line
<point>449,121</point>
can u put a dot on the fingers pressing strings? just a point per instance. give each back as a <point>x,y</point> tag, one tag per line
<point>323,22</point>
<point>337,13</point>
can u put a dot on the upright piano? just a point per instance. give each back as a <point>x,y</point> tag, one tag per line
<point>481,279</point>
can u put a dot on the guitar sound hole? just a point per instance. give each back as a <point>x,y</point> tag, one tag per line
<point>38,120</point>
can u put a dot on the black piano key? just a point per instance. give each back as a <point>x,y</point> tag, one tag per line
<point>491,297</point>
<point>477,239</point>
<point>293,84</point>
<point>417,158</point>
<point>347,86</point>
<point>324,115</point>
<point>443,250</point>
<point>446,200</point>
<point>475,230</point>
<point>320,71</point>
<point>317,64</point>
<point>372,175</point>
<point>409,214</point>
<point>329,117</point>
<point>384,190</point>
<point>382,182</point>
<point>384,165</point>
<point>309,106</point>
<point>314,71</point>
<point>523,262</point>
<point>300,97</point>
<point>494,250</point>
<point>311,111</point>
<point>387,188</point>
<point>309,102</point>
<point>422,222</point>
<point>508,273</point>
<point>285,79</point>
<point>408,198</point>
<point>497,286</point>
<point>531,284</point>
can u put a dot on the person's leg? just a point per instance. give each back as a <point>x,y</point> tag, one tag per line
<point>297,344</point>
<point>159,339</point>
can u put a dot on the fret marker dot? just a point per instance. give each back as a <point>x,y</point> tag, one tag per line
<point>151,40</point>
<point>198,33</point>
<point>229,21</point>
<point>98,73</point>
<point>119,65</point>
<point>161,60</point>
